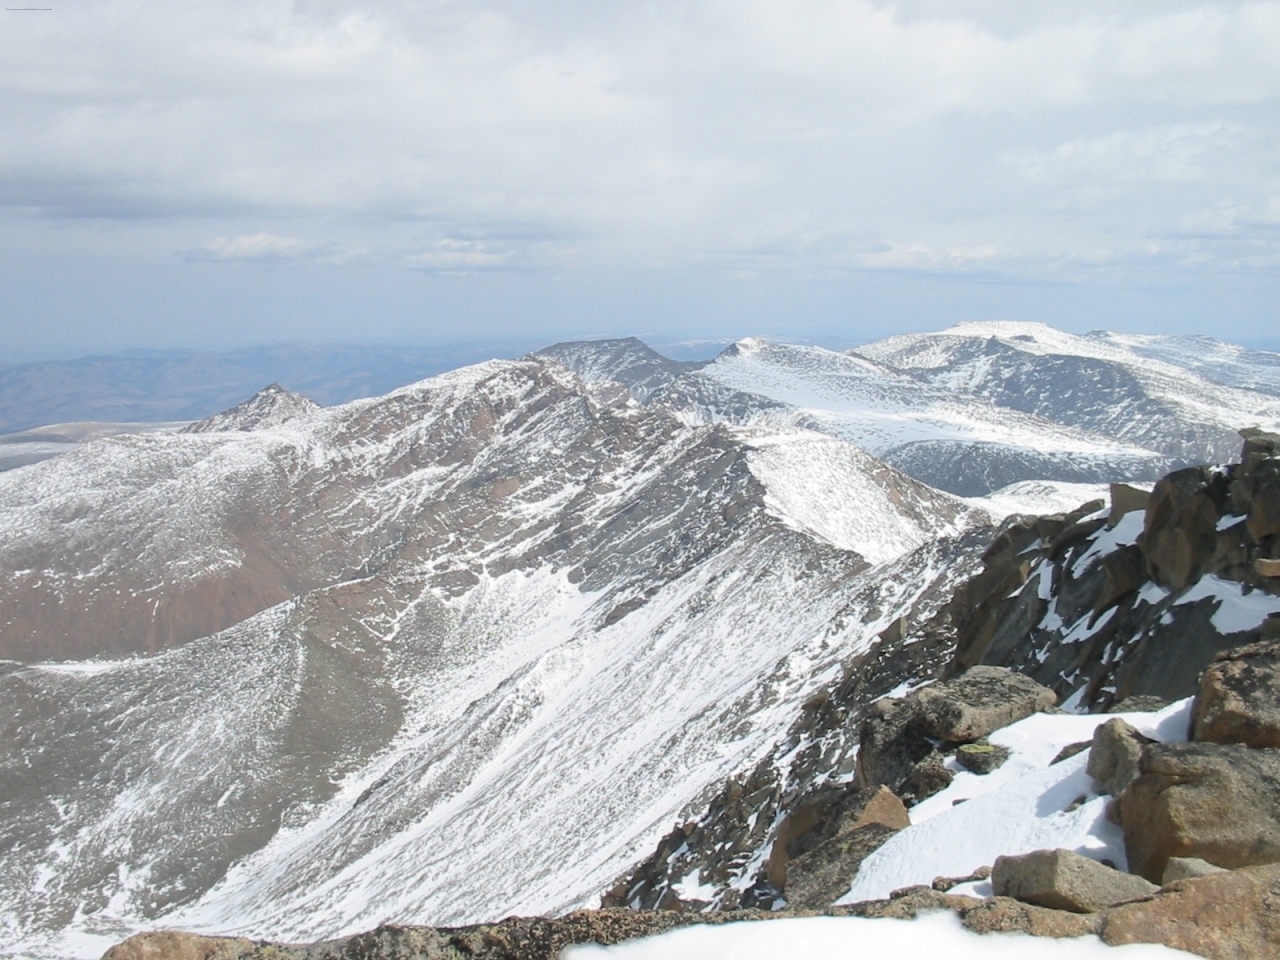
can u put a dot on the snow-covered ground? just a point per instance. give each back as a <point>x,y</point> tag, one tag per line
<point>856,938</point>
<point>1025,805</point>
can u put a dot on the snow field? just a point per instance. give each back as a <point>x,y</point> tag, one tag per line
<point>1022,806</point>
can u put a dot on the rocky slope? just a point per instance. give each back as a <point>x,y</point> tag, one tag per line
<point>1132,390</point>
<point>445,613</point>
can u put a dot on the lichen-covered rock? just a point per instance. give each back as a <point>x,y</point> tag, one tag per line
<point>1064,880</point>
<point>1114,755</point>
<point>980,701</point>
<point>823,875</point>
<point>1239,698</point>
<point>1217,802</point>
<point>1233,915</point>
<point>981,757</point>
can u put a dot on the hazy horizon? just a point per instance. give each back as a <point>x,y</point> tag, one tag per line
<point>217,176</point>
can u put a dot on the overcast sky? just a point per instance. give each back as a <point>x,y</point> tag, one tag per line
<point>223,173</point>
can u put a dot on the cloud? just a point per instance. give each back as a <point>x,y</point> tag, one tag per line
<point>736,138</point>
<point>256,246</point>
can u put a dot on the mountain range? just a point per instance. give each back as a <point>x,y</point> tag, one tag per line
<point>467,648</point>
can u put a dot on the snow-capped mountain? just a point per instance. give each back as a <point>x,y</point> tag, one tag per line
<point>948,434</point>
<point>488,635</point>
<point>1149,392</point>
<point>468,649</point>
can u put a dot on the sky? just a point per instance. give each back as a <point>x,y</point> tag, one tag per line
<point>227,173</point>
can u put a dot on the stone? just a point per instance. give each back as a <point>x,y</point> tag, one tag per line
<point>943,884</point>
<point>1263,519</point>
<point>175,945</point>
<point>1233,915</point>
<point>978,702</point>
<point>1124,571</point>
<point>1064,880</point>
<point>1070,750</point>
<point>1006,915</point>
<point>1183,868</point>
<point>884,808</point>
<point>1140,703</point>
<point>827,817</point>
<point>890,744</point>
<point>1218,802</point>
<point>928,777</point>
<point>1264,567</point>
<point>1114,755</point>
<point>824,874</point>
<point>1180,532</point>
<point>1239,698</point>
<point>981,757</point>
<point>1126,499</point>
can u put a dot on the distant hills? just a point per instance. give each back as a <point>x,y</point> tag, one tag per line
<point>168,385</point>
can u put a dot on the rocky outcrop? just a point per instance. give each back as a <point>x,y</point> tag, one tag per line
<point>1105,600</point>
<point>1115,754</point>
<point>897,737</point>
<point>1065,880</point>
<point>1231,915</point>
<point>269,407</point>
<point>1239,698</point>
<point>818,878</point>
<point>1219,803</point>
<point>517,938</point>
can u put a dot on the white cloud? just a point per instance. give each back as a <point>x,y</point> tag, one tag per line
<point>257,246</point>
<point>738,135</point>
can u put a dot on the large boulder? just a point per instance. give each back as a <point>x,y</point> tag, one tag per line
<point>1239,698</point>
<point>1231,915</point>
<point>828,816</point>
<point>1180,531</point>
<point>1064,880</point>
<point>1220,803</point>
<point>824,874</point>
<point>176,945</point>
<point>978,702</point>
<point>1114,755</point>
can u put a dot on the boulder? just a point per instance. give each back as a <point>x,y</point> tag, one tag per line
<point>1218,802</point>
<point>1239,697</point>
<point>1183,868</point>
<point>1125,499</point>
<point>979,701</point>
<point>1264,567</point>
<point>1180,532</point>
<point>828,816</point>
<point>928,777</point>
<point>981,757</point>
<point>1233,915</point>
<point>823,875</point>
<point>1114,755</point>
<point>890,744</point>
<point>175,945</point>
<point>1264,499</point>
<point>993,915</point>
<point>1063,880</point>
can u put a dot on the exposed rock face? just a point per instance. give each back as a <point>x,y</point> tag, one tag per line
<point>1130,604</point>
<point>176,945</point>
<point>1227,916</point>
<point>1218,803</point>
<point>1239,698</point>
<point>269,407</point>
<point>1115,754</point>
<point>1064,880</point>
<point>897,735</point>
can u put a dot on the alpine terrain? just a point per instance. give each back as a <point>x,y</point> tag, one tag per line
<point>469,649</point>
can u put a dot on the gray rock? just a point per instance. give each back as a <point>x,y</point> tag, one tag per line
<point>1218,802</point>
<point>824,874</point>
<point>1065,880</point>
<point>981,757</point>
<point>1125,499</point>
<point>979,701</point>
<point>1114,755</point>
<point>1183,868</point>
<point>1239,698</point>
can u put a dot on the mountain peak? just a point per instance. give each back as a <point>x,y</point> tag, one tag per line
<point>269,407</point>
